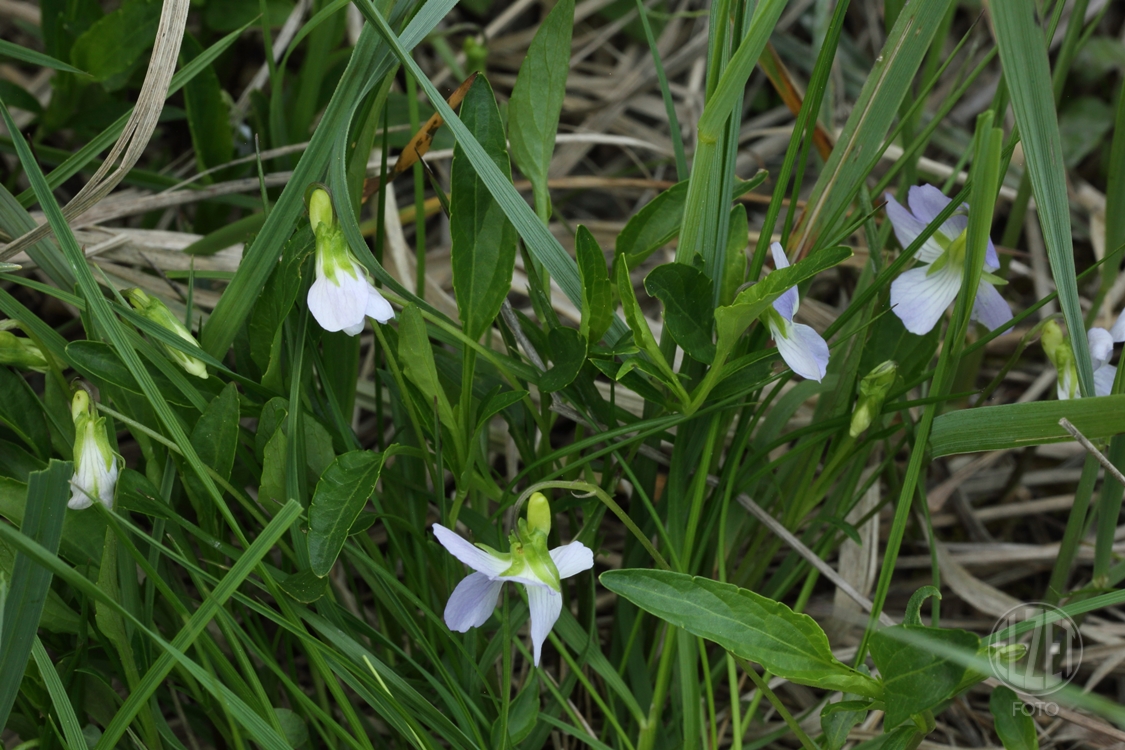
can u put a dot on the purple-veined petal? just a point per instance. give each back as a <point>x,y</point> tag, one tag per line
<point>472,602</point>
<point>470,554</point>
<point>907,229</point>
<point>1103,380</point>
<point>571,559</point>
<point>1100,342</point>
<point>1118,329</point>
<point>802,348</point>
<point>786,304</point>
<point>546,606</point>
<point>990,308</point>
<point>919,298</point>
<point>991,259</point>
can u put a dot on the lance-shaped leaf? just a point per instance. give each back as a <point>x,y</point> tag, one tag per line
<point>749,625</point>
<point>484,241</point>
<point>417,357</point>
<point>537,99</point>
<point>340,495</point>
<point>597,292</point>
<point>686,293</point>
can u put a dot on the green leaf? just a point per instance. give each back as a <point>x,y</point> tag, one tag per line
<point>110,47</point>
<point>992,428</point>
<point>653,226</point>
<point>340,495</point>
<point>537,99</point>
<point>750,626</point>
<point>903,738</point>
<point>1027,73</point>
<point>137,494</point>
<point>101,363</point>
<point>47,494</point>
<point>686,293</point>
<point>1015,728</point>
<point>82,533</point>
<point>860,143</point>
<point>294,727</point>
<point>567,348</point>
<point>21,411</point>
<point>215,438</point>
<point>597,292</point>
<point>30,56</point>
<point>523,715</point>
<point>207,112</point>
<point>306,586</point>
<point>918,666</point>
<point>642,334</point>
<point>838,719</point>
<point>483,240</point>
<point>417,357</point>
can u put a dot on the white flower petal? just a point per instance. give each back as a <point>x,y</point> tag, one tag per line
<point>1100,342</point>
<point>786,304</point>
<point>571,559</point>
<point>1067,386</point>
<point>79,500</point>
<point>1103,380</point>
<point>337,306</point>
<point>357,328</point>
<point>472,602</point>
<point>990,308</point>
<point>470,554</point>
<point>803,349</point>
<point>926,202</point>
<point>919,298</point>
<point>1118,329</point>
<point>546,606</point>
<point>377,307</point>
<point>907,229</point>
<point>991,259</point>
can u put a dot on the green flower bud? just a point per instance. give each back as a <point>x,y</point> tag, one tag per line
<point>872,391</point>
<point>320,210</point>
<point>539,514</point>
<point>476,54</point>
<point>20,352</point>
<point>155,310</point>
<point>1061,354</point>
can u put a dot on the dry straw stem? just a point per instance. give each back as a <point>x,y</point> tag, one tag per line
<point>138,130</point>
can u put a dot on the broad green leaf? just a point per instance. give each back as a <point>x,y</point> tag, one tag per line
<point>417,358</point>
<point>279,294</point>
<point>686,293</point>
<point>597,292</point>
<point>110,48</point>
<point>567,348</point>
<point>306,586</point>
<point>296,731</point>
<point>749,625</point>
<point>903,738</point>
<point>340,495</point>
<point>275,457</point>
<point>22,412</point>
<point>483,240</point>
<point>31,57</point>
<point>207,112</point>
<point>889,340</point>
<point>215,438</point>
<point>523,715</point>
<point>1027,73</point>
<point>47,494</point>
<point>137,494</point>
<point>653,226</point>
<point>918,667</point>
<point>58,617</point>
<point>1015,728</point>
<point>992,428</point>
<point>860,143</point>
<point>838,719</point>
<point>101,363</point>
<point>537,99</point>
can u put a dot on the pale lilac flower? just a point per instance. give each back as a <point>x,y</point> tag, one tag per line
<point>802,348</point>
<point>342,297</point>
<point>528,563</point>
<point>95,464</point>
<point>921,295</point>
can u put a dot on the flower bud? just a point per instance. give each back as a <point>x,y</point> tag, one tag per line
<point>155,310</point>
<point>20,352</point>
<point>1061,354</point>
<point>872,391</point>
<point>320,210</point>
<point>539,514</point>
<point>95,464</point>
